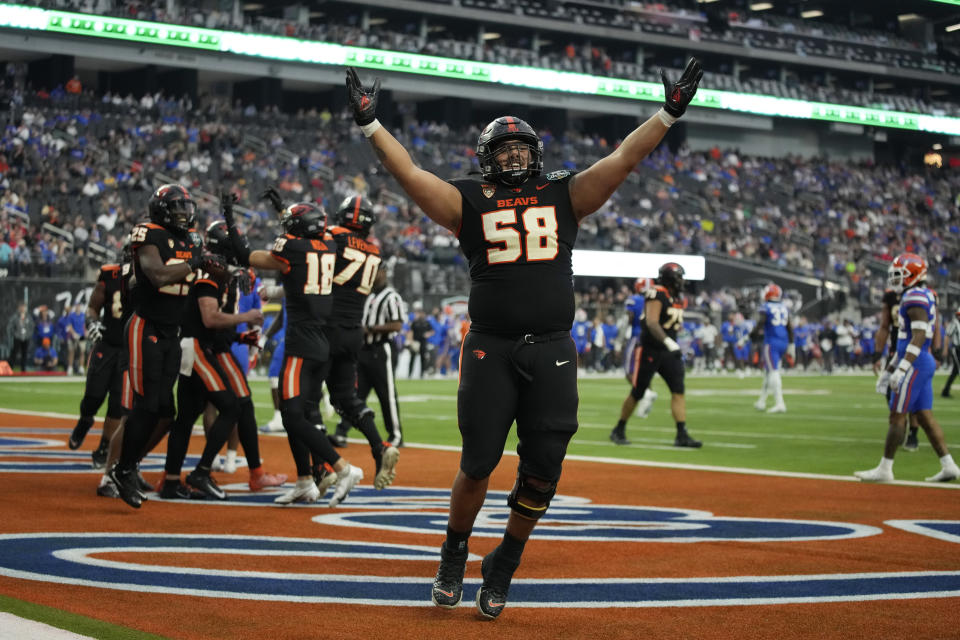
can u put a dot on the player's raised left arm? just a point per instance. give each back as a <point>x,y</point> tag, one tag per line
<point>594,186</point>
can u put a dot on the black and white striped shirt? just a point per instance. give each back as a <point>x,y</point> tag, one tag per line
<point>953,332</point>
<point>383,307</point>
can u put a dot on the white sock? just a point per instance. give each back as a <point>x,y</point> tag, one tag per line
<point>947,462</point>
<point>886,464</point>
<point>231,456</point>
<point>277,416</point>
<point>776,387</point>
<point>104,480</point>
<point>303,483</point>
<point>764,388</point>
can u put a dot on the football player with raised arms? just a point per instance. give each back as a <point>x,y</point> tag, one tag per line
<point>911,382</point>
<point>660,353</point>
<point>776,330</point>
<point>306,258</point>
<point>517,228</point>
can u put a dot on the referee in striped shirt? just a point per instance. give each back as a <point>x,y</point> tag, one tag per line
<point>383,315</point>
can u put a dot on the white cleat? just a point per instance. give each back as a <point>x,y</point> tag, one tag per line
<point>347,480</point>
<point>274,426</point>
<point>777,408</point>
<point>388,468</point>
<point>328,480</point>
<point>875,475</point>
<point>760,406</point>
<point>305,493</point>
<point>946,474</point>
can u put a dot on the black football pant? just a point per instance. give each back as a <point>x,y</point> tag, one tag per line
<point>206,383</point>
<point>299,387</point>
<point>154,362</point>
<point>376,364</point>
<point>104,376</point>
<point>342,382</point>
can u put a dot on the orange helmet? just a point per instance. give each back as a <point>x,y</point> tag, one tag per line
<point>772,292</point>
<point>642,284</point>
<point>906,270</point>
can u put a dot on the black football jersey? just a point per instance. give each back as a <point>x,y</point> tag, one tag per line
<point>204,286</point>
<point>519,245</point>
<point>671,316</point>
<point>162,306</point>
<point>308,289</point>
<point>357,264</point>
<point>116,307</point>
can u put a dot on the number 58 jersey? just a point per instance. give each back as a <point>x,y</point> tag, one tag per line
<point>307,287</point>
<point>519,245</point>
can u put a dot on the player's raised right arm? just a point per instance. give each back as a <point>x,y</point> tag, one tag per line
<point>439,199</point>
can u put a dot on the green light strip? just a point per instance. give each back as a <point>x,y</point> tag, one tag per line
<point>294,50</point>
<point>955,2</point>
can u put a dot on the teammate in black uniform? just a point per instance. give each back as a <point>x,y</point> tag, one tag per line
<point>517,229</point>
<point>104,372</point>
<point>203,377</point>
<point>166,253</point>
<point>306,258</point>
<point>358,262</point>
<point>662,318</point>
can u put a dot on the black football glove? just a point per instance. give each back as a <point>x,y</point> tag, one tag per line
<point>241,248</point>
<point>679,94</point>
<point>215,265</point>
<point>195,259</point>
<point>362,102</point>
<point>273,197</point>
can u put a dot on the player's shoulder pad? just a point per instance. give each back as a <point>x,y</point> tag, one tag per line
<point>109,268</point>
<point>336,231</point>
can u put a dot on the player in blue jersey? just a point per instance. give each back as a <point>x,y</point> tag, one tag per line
<point>911,381</point>
<point>631,360</point>
<point>776,330</point>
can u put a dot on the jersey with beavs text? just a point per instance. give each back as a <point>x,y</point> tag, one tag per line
<point>357,264</point>
<point>163,306</point>
<point>916,297</point>
<point>116,304</point>
<point>205,286</point>
<point>671,316</point>
<point>519,245</point>
<point>308,287</point>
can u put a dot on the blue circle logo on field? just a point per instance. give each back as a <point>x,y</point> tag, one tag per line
<point>83,559</point>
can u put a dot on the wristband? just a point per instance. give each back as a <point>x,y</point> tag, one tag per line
<point>370,129</point>
<point>666,118</point>
<point>671,344</point>
<point>914,349</point>
<point>919,325</point>
<point>904,365</point>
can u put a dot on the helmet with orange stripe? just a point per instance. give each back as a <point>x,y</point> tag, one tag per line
<point>509,151</point>
<point>356,213</point>
<point>642,284</point>
<point>772,292</point>
<point>304,220</point>
<point>906,270</point>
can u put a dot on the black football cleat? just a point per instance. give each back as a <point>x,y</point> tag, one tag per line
<point>492,595</point>
<point>175,490</point>
<point>206,485</point>
<point>108,490</point>
<point>683,439</point>
<point>79,432</point>
<point>619,436</point>
<point>448,584</point>
<point>99,456</point>
<point>911,442</point>
<point>125,482</point>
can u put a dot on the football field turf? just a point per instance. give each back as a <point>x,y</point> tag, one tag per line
<point>834,424</point>
<point>784,533</point>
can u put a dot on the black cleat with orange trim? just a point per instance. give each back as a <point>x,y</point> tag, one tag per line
<point>448,585</point>
<point>492,595</point>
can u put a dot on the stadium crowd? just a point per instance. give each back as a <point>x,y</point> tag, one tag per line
<point>753,30</point>
<point>75,169</point>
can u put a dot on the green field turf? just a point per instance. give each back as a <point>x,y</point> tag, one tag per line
<point>834,425</point>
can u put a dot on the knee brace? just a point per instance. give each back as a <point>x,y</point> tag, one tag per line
<point>531,496</point>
